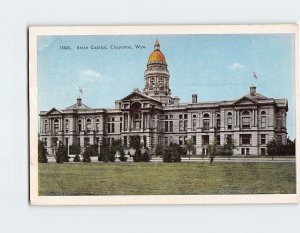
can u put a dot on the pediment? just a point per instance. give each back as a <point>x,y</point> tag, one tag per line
<point>134,96</point>
<point>245,101</point>
<point>53,111</point>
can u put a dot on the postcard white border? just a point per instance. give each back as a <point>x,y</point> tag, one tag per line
<point>35,31</point>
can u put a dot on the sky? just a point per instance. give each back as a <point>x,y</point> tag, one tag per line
<point>215,67</point>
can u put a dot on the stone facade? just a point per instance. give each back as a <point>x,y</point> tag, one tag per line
<point>158,118</point>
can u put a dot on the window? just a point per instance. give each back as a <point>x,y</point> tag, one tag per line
<point>97,140</point>
<point>97,127</point>
<point>180,116</point>
<point>180,141</point>
<point>263,121</point>
<point>79,126</point>
<point>166,141</point>
<point>218,122</point>
<point>86,141</point>
<point>246,122</point>
<point>171,117</point>
<point>218,140</point>
<point>185,125</point>
<point>166,117</point>
<point>246,139</point>
<point>108,127</point>
<point>194,124</point>
<point>56,125</point>
<point>206,124</point>
<point>247,151</point>
<point>185,116</point>
<point>112,119</point>
<point>263,151</point>
<point>185,140</point>
<point>205,140</point>
<point>166,126</point>
<point>181,125</point>
<point>206,121</point>
<point>229,123</point>
<point>125,140</point>
<point>263,139</point>
<point>194,139</point>
<point>112,127</point>
<point>67,127</point>
<point>88,125</point>
<point>120,127</point>
<point>46,128</point>
<point>171,126</point>
<point>243,151</point>
<point>67,141</point>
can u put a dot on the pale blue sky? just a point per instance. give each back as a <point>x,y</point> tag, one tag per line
<point>216,67</point>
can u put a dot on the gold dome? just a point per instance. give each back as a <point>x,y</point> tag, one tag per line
<point>156,56</point>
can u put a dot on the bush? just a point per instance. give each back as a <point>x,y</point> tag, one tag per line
<point>123,158</point>
<point>42,153</point>
<point>74,149</point>
<point>89,152</point>
<point>137,156</point>
<point>77,158</point>
<point>173,153</point>
<point>62,154</point>
<point>145,156</point>
<point>111,155</point>
<point>159,150</point>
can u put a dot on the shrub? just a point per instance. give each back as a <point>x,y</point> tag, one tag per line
<point>123,158</point>
<point>145,156</point>
<point>159,150</point>
<point>173,153</point>
<point>62,154</point>
<point>77,158</point>
<point>137,156</point>
<point>111,154</point>
<point>42,153</point>
<point>88,153</point>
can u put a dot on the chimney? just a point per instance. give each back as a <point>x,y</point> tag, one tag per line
<point>194,98</point>
<point>78,101</point>
<point>253,90</point>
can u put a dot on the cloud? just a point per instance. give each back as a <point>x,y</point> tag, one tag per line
<point>236,66</point>
<point>90,75</point>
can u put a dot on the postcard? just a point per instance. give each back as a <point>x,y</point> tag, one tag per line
<point>170,114</point>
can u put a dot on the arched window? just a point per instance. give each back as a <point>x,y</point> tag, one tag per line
<point>56,125</point>
<point>194,126</point>
<point>245,113</point>
<point>79,125</point>
<point>88,125</point>
<point>229,114</point>
<point>206,121</point>
<point>263,113</point>
<point>246,119</point>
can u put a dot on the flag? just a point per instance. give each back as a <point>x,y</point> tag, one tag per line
<point>80,90</point>
<point>254,75</point>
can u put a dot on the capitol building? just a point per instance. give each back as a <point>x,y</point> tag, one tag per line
<point>158,117</point>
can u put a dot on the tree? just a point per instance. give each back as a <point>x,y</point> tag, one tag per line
<point>212,151</point>
<point>137,156</point>
<point>89,152</point>
<point>42,152</point>
<point>189,146</point>
<point>74,149</point>
<point>172,153</point>
<point>123,157</point>
<point>135,142</point>
<point>159,150</point>
<point>272,148</point>
<point>229,147</point>
<point>62,154</point>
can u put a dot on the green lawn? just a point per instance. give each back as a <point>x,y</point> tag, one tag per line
<point>161,178</point>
